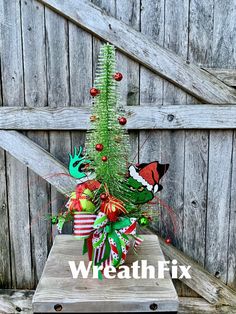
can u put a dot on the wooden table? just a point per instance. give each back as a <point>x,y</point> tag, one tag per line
<point>57,291</point>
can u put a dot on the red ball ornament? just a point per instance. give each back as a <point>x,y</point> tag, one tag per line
<point>104,158</point>
<point>99,147</point>
<point>118,76</point>
<point>94,91</point>
<point>168,240</point>
<point>112,207</point>
<point>122,120</point>
<point>103,196</point>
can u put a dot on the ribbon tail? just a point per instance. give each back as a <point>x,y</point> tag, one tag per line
<point>137,242</point>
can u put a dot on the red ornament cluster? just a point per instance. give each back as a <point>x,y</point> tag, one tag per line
<point>122,120</point>
<point>99,147</point>
<point>118,76</point>
<point>94,92</point>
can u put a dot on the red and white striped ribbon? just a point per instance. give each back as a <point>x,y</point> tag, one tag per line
<point>83,224</point>
<point>137,242</point>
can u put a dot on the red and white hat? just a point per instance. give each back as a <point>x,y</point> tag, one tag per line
<point>149,174</point>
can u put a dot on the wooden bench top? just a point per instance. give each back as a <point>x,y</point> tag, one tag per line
<point>57,291</point>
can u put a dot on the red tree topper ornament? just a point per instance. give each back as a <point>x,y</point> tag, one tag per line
<point>104,158</point>
<point>118,76</point>
<point>122,120</point>
<point>99,147</point>
<point>94,91</point>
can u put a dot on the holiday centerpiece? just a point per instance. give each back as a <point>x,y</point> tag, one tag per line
<point>108,201</point>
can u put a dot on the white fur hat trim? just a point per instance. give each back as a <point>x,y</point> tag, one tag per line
<point>134,174</point>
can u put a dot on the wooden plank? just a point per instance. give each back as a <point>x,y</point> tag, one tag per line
<point>90,295</point>
<point>231,278</point>
<point>161,61</point>
<point>224,41</point>
<point>228,76</point>
<point>5,270</point>
<point>80,58</point>
<point>19,224</point>
<point>195,194</point>
<point>196,142</point>
<point>11,300</point>
<point>139,118</point>
<point>11,55</point>
<point>200,306</point>
<point>129,13</point>
<point>5,259</point>
<point>15,301</point>
<point>57,46</point>
<point>220,145</point>
<point>33,34</point>
<point>173,143</point>
<point>38,160</point>
<point>205,284</point>
<point>218,203</point>
<point>13,95</point>
<point>151,86</point>
<point>129,89</point>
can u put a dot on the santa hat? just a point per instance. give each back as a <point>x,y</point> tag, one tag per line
<point>149,174</point>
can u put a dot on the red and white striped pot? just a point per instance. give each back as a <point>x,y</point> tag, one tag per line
<point>83,224</point>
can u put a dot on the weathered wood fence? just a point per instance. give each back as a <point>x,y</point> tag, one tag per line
<point>177,58</point>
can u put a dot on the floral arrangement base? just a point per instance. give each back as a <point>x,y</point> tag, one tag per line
<point>58,291</point>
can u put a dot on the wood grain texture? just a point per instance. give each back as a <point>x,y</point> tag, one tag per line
<point>15,301</point>
<point>58,81</point>
<point>33,34</point>
<point>5,264</point>
<point>129,88</point>
<point>19,224</point>
<point>172,143</point>
<point>205,284</point>
<point>231,278</point>
<point>115,295</point>
<point>13,95</point>
<point>195,195</point>
<point>162,61</point>
<point>11,55</point>
<point>38,160</point>
<point>223,55</point>
<point>5,259</point>
<point>11,300</point>
<point>228,76</point>
<point>152,117</point>
<point>200,306</point>
<point>80,60</point>
<point>218,203</point>
<point>196,142</point>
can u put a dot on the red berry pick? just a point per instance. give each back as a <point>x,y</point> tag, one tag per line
<point>168,240</point>
<point>122,120</point>
<point>99,147</point>
<point>104,158</point>
<point>118,76</point>
<point>94,91</point>
<point>103,196</point>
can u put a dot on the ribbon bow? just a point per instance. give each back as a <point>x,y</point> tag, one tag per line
<point>110,239</point>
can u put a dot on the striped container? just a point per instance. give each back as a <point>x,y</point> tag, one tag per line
<point>83,224</point>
